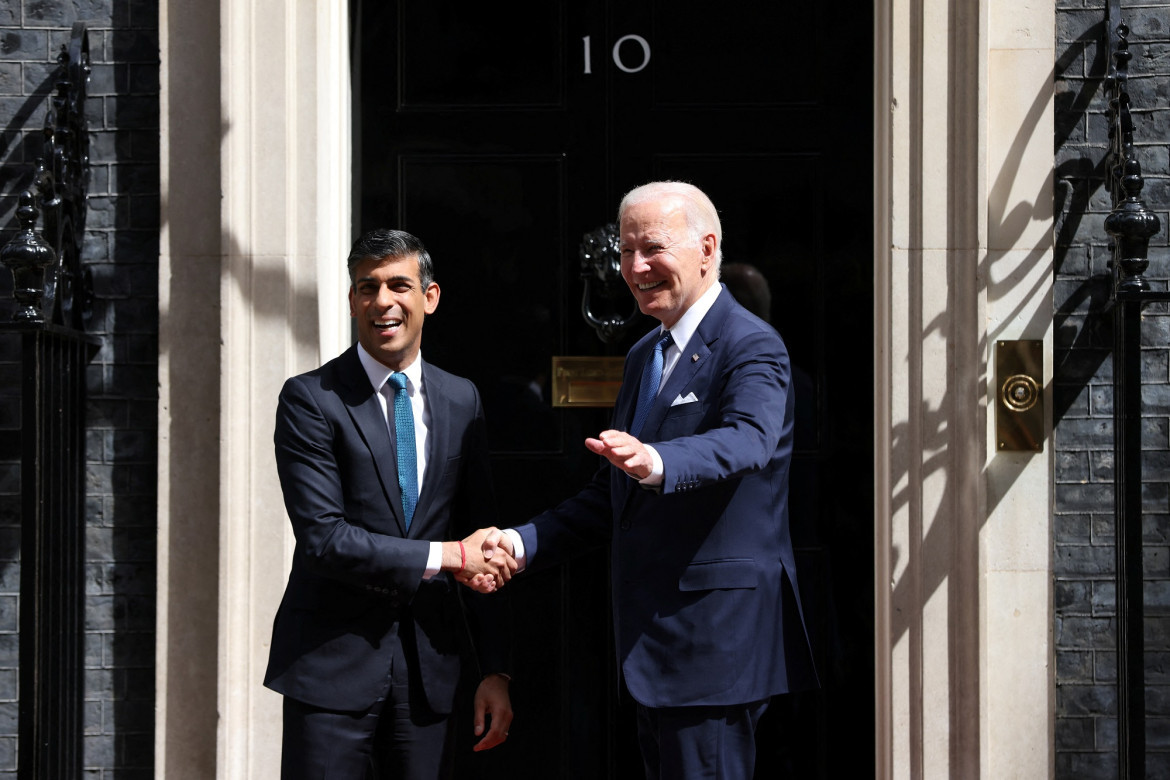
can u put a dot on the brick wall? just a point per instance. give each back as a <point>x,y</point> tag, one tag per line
<point>121,248</point>
<point>1084,554</point>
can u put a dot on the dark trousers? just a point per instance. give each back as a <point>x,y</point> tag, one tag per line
<point>699,743</point>
<point>396,739</point>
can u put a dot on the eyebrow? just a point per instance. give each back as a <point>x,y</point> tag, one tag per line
<point>399,278</point>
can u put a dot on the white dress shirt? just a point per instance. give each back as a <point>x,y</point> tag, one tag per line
<point>379,376</point>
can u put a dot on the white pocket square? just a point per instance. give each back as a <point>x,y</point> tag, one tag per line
<point>689,398</point>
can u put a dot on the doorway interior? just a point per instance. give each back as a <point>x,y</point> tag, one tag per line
<point>501,136</point>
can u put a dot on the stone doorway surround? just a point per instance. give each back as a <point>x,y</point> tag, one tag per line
<point>256,194</point>
<point>255,173</point>
<point>963,258</point>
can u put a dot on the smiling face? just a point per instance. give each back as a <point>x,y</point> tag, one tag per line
<point>667,265</point>
<point>390,304</point>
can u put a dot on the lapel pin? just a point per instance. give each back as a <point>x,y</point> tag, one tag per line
<point>695,358</point>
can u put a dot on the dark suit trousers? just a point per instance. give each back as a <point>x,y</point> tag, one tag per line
<point>396,739</point>
<point>699,743</point>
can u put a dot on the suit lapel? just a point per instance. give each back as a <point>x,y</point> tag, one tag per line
<point>366,411</point>
<point>623,410</point>
<point>684,371</point>
<point>438,445</point>
<point>697,352</point>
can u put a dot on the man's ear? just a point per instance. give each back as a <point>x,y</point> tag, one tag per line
<point>352,308</point>
<point>709,245</point>
<point>432,298</point>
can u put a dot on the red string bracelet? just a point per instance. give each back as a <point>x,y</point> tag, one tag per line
<point>462,557</point>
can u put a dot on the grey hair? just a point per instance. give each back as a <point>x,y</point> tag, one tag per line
<point>700,212</point>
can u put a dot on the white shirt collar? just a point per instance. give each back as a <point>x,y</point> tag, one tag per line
<point>379,373</point>
<point>688,323</point>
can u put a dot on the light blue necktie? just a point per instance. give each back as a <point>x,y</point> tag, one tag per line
<point>648,389</point>
<point>404,434</point>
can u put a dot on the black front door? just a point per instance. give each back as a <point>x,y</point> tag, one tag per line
<point>500,134</point>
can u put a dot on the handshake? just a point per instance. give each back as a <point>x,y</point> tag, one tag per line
<point>483,561</point>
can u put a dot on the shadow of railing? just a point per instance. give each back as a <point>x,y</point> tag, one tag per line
<point>946,487</point>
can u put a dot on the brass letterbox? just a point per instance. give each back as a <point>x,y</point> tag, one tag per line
<point>586,381</point>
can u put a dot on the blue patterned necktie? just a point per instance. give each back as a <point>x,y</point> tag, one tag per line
<point>404,434</point>
<point>648,389</point>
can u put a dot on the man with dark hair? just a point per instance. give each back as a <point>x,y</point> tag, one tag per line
<point>383,462</point>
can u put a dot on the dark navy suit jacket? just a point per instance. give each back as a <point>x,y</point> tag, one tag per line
<point>705,596</point>
<point>357,572</point>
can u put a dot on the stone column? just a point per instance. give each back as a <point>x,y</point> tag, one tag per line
<point>963,160</point>
<point>256,205</point>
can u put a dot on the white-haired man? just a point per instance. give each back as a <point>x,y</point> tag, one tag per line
<point>693,498</point>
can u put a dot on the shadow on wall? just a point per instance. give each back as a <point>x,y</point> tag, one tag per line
<point>1083,326</point>
<point>942,556</point>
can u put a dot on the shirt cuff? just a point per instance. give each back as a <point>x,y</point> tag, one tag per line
<point>517,548</point>
<point>434,560</point>
<point>656,471</point>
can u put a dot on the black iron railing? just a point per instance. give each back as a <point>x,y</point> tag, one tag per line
<point>53,291</point>
<point>1130,225</point>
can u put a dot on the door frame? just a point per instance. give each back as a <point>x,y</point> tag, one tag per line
<point>963,110</point>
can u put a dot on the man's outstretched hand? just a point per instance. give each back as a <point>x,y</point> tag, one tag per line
<point>624,451</point>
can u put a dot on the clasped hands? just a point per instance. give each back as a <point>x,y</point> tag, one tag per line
<point>490,561</point>
<point>478,563</point>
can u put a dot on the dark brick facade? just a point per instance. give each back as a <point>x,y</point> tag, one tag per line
<point>121,248</point>
<point>1085,627</point>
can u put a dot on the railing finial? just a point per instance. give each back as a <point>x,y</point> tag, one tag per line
<point>27,255</point>
<point>59,197</point>
<point>1131,223</point>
